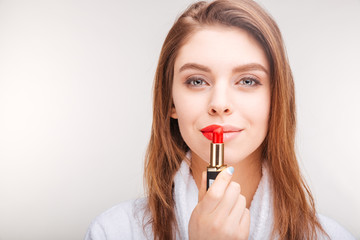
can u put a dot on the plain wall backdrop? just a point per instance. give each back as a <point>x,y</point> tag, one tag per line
<point>76,106</point>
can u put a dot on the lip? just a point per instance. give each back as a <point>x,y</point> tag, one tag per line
<point>229,131</point>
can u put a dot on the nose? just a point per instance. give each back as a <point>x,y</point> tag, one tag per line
<point>219,111</point>
<point>220,103</point>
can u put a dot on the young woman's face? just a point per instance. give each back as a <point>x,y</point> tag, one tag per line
<point>221,76</point>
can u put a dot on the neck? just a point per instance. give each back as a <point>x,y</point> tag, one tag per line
<point>247,173</point>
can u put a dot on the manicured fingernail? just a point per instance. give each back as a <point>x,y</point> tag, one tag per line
<point>230,170</point>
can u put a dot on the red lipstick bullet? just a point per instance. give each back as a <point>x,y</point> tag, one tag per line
<point>218,135</point>
<point>216,156</point>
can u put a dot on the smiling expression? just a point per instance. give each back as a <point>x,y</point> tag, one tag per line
<point>221,77</point>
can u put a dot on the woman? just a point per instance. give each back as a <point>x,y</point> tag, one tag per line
<point>222,63</point>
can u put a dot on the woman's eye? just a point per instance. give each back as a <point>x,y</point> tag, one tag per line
<point>195,82</point>
<point>249,82</point>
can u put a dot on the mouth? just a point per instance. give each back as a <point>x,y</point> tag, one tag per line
<point>229,131</point>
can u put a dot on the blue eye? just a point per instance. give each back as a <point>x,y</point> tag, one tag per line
<point>249,82</point>
<point>195,82</point>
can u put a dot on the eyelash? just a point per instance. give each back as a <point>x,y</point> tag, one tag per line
<point>191,82</point>
<point>255,82</point>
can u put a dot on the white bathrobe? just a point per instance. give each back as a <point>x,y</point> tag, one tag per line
<point>124,221</point>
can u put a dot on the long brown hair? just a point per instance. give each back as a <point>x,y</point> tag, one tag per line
<point>294,209</point>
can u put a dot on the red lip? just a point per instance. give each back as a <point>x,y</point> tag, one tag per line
<point>210,128</point>
<point>229,131</point>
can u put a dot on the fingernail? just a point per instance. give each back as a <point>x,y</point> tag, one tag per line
<point>230,170</point>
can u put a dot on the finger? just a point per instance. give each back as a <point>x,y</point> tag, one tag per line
<point>216,191</point>
<point>229,200</point>
<point>244,227</point>
<point>238,210</point>
<point>202,190</point>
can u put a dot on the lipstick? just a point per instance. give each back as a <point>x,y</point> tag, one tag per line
<point>216,156</point>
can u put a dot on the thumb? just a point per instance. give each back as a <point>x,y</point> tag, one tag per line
<point>202,190</point>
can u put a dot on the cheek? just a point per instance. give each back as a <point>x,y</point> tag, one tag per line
<point>190,109</point>
<point>262,116</point>
<point>183,108</point>
<point>261,113</point>
<point>257,112</point>
<point>187,104</point>
<point>186,110</point>
<point>187,116</point>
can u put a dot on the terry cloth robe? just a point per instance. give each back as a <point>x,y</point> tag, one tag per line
<point>125,221</point>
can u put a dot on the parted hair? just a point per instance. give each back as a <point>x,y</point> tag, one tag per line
<point>293,204</point>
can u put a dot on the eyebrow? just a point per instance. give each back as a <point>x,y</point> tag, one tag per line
<point>194,66</point>
<point>250,67</point>
<point>241,68</point>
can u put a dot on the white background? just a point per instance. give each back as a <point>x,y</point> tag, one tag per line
<point>75,106</point>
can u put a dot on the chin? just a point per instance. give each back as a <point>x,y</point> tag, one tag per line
<point>231,161</point>
<point>233,157</point>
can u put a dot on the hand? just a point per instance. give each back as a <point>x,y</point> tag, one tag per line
<point>221,212</point>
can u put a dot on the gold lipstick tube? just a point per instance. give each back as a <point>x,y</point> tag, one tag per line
<point>216,162</point>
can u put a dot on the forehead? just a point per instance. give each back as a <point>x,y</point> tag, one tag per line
<point>221,47</point>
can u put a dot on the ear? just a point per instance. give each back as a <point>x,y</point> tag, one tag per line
<point>173,112</point>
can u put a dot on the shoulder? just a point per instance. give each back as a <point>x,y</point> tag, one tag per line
<point>334,229</point>
<point>123,221</point>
